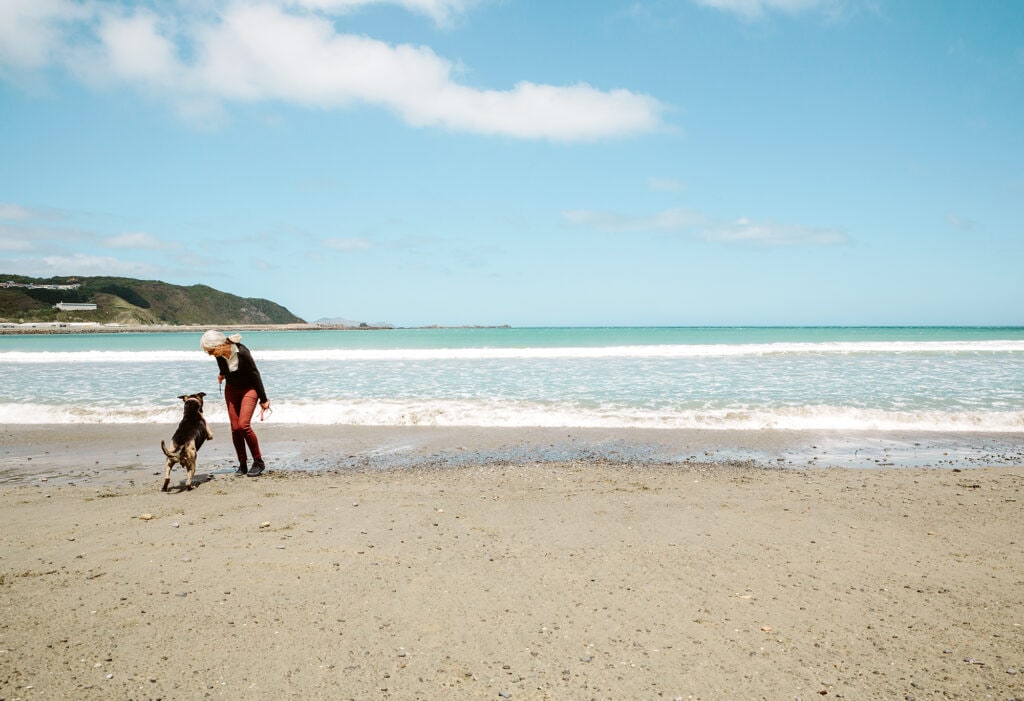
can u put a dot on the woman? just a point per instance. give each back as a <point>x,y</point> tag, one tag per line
<point>242,391</point>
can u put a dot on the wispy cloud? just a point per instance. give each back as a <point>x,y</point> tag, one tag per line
<point>21,236</point>
<point>692,223</point>
<point>80,264</point>
<point>48,241</point>
<point>137,240</point>
<point>958,222</point>
<point>16,212</point>
<point>349,244</point>
<point>14,241</point>
<point>288,50</point>
<point>744,231</point>
<point>441,11</point>
<point>666,185</point>
<point>672,220</point>
<point>752,9</point>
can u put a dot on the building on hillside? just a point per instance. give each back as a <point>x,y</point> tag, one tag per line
<point>33,286</point>
<point>75,306</point>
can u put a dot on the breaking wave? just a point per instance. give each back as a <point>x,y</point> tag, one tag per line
<point>636,351</point>
<point>513,414</point>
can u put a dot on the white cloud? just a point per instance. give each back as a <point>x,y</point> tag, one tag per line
<point>134,48</point>
<point>672,220</point>
<point>751,9</point>
<point>281,51</point>
<point>748,232</point>
<point>137,240</point>
<point>31,31</point>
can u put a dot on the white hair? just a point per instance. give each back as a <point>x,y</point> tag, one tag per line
<point>215,339</point>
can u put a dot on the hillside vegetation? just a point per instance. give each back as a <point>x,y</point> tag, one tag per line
<point>132,302</point>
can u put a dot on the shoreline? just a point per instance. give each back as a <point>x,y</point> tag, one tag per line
<point>112,454</point>
<point>520,581</point>
<point>44,328</point>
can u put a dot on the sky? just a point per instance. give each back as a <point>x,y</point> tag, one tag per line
<point>527,162</point>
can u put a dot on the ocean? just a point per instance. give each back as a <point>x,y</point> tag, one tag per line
<point>947,380</point>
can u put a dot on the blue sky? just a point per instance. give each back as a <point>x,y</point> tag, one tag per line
<point>598,162</point>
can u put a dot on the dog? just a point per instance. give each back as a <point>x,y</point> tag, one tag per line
<point>188,439</point>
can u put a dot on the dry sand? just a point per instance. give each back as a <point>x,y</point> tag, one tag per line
<point>525,581</point>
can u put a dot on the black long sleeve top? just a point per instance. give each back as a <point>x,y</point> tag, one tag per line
<point>247,376</point>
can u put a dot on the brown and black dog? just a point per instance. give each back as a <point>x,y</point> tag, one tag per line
<point>188,439</point>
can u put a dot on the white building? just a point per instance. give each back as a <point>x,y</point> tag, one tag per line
<point>75,307</point>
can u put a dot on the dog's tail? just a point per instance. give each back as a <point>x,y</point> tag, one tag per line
<point>168,454</point>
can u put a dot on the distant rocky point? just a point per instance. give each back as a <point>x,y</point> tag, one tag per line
<point>350,324</point>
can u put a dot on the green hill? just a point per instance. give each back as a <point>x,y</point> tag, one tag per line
<point>131,302</point>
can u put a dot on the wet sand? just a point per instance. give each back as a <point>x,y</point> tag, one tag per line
<point>130,453</point>
<point>525,580</point>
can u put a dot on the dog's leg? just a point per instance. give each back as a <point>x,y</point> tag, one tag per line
<point>190,464</point>
<point>167,474</point>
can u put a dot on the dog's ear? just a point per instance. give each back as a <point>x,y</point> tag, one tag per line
<point>201,394</point>
<point>182,397</point>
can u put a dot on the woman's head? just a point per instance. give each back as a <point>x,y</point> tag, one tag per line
<point>216,343</point>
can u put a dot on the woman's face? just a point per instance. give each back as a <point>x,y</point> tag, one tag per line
<point>221,351</point>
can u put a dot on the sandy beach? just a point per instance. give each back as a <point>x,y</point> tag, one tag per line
<point>522,581</point>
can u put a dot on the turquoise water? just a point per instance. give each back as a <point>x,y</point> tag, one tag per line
<point>850,379</point>
<point>569,337</point>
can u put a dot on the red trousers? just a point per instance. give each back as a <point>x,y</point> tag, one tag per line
<point>241,406</point>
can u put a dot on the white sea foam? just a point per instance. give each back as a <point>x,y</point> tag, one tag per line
<point>66,357</point>
<point>31,413</point>
<point>511,414</point>
<point>534,353</point>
